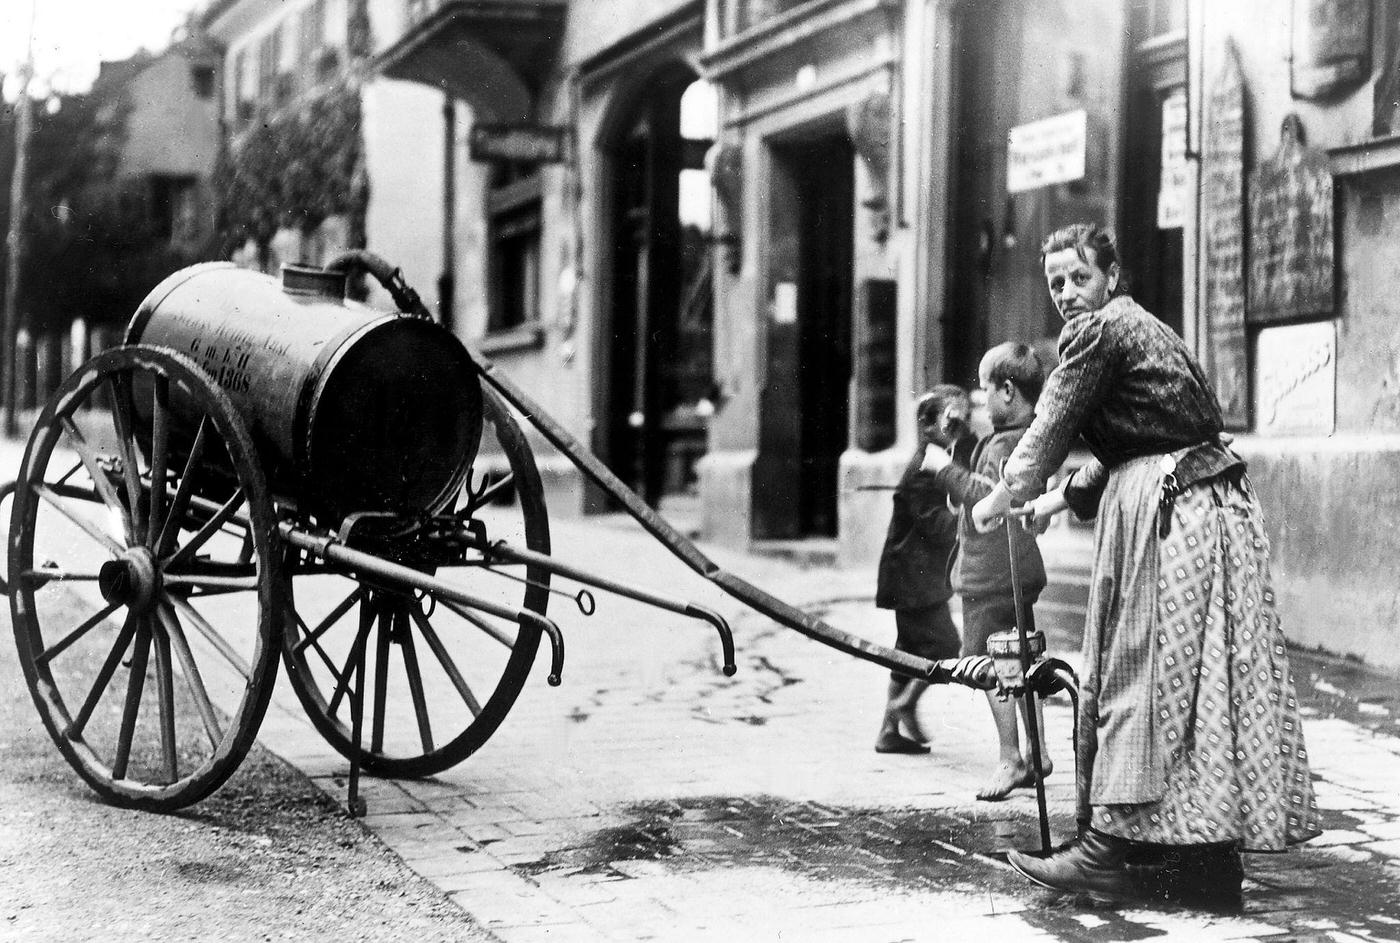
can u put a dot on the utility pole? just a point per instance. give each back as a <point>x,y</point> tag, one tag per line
<point>14,241</point>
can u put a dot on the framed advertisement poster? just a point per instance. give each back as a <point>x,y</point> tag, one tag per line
<point>1331,46</point>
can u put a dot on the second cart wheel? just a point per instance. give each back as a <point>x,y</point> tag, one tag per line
<point>438,678</point>
<point>143,580</point>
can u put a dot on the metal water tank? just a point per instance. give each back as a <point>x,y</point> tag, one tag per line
<point>351,409</point>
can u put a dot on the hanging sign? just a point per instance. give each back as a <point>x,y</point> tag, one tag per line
<point>526,143</point>
<point>1224,349</point>
<point>1331,45</point>
<point>1047,151</point>
<point>1297,382</point>
<point>1171,195</point>
<point>1290,218</point>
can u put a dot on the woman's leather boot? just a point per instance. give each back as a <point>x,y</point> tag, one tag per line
<point>1095,865</point>
<point>1197,875</point>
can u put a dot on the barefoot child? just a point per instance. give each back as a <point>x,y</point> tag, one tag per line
<point>913,578</point>
<point>1011,376</point>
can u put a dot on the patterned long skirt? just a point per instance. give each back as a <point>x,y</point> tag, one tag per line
<point>1189,729</point>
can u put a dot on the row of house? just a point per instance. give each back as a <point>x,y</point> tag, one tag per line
<point>728,242</point>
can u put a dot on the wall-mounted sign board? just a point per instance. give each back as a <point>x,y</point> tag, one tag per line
<point>1296,386</point>
<point>1051,150</point>
<point>525,143</point>
<point>1224,349</point>
<point>1290,218</point>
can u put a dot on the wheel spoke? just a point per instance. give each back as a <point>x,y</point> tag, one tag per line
<point>488,494</point>
<point>193,680</point>
<point>381,676</point>
<point>479,621</point>
<point>415,681</point>
<point>210,581</point>
<point>53,651</point>
<point>135,683</point>
<point>77,466</point>
<point>165,692</point>
<point>211,635</point>
<point>170,528</point>
<point>448,665</point>
<point>45,574</point>
<point>120,391</point>
<point>335,616</point>
<point>224,512</point>
<point>99,477</point>
<point>160,454</point>
<point>64,507</point>
<point>357,649</point>
<point>104,676</point>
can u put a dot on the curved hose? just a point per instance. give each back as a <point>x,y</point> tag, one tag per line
<point>390,276</point>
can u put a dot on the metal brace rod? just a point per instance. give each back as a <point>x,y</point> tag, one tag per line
<point>514,554</point>
<point>327,548</point>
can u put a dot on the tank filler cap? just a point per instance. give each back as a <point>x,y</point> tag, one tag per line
<point>314,282</point>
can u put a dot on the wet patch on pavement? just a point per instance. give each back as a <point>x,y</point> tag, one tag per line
<point>1333,686</point>
<point>959,853</point>
<point>923,849</point>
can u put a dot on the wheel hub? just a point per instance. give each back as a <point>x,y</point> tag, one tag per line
<point>130,580</point>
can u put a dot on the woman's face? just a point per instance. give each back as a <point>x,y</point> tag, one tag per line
<point>1078,286</point>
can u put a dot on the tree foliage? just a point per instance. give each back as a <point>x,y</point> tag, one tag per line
<point>294,168</point>
<point>91,246</point>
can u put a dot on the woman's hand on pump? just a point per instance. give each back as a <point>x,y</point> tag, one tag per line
<point>989,513</point>
<point>1036,515</point>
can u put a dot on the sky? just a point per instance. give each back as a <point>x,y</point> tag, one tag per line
<point>72,36</point>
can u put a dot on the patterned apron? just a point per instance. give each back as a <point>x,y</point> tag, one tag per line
<point>1189,729</point>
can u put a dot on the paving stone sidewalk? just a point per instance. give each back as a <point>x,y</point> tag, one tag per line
<point>651,798</point>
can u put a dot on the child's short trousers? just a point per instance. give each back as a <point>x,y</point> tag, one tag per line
<point>983,615</point>
<point>927,631</point>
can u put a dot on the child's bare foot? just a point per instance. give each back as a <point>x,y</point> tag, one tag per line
<point>1009,776</point>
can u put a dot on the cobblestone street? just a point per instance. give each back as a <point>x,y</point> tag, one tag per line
<point>650,797</point>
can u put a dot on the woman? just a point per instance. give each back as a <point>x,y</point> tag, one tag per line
<point>1188,741</point>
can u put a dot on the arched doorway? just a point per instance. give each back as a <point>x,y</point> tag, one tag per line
<point>660,348</point>
<point>805,401</point>
<point>1017,63</point>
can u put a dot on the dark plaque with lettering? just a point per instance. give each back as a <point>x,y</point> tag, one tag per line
<point>1226,353</point>
<point>1331,46</point>
<point>1290,218</point>
<point>875,364</point>
<point>523,143</point>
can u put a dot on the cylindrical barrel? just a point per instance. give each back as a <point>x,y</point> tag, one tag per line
<point>351,409</point>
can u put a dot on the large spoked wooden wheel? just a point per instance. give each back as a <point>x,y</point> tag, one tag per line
<point>438,678</point>
<point>143,582</point>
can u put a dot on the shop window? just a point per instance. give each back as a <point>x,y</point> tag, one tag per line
<point>171,207</point>
<point>514,263</point>
<point>241,84</point>
<point>269,58</point>
<point>311,30</point>
<point>202,77</point>
<point>1148,19</point>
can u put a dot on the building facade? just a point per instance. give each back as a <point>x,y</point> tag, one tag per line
<point>727,243</point>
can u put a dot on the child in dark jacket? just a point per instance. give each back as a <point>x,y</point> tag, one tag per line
<point>1011,375</point>
<point>913,576</point>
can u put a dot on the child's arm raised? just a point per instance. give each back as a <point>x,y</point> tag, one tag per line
<point>963,485</point>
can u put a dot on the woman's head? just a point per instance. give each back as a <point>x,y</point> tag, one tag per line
<point>1081,268</point>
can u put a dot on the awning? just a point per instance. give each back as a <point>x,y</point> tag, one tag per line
<point>478,49</point>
